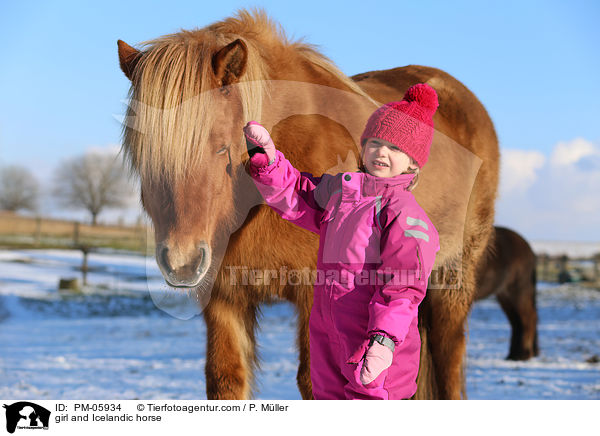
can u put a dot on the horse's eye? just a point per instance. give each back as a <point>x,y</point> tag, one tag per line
<point>223,149</point>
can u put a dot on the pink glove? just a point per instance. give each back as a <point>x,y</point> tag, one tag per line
<point>260,145</point>
<point>378,358</point>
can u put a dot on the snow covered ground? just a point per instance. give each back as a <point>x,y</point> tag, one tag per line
<point>112,342</point>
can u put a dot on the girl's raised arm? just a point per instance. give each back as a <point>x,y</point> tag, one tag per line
<point>291,193</point>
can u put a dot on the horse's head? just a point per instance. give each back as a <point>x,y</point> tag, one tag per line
<point>191,93</point>
<point>183,138</point>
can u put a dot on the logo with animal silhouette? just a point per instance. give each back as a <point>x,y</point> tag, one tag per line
<point>26,415</point>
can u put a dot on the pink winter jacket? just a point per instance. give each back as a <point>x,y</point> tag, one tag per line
<point>376,252</point>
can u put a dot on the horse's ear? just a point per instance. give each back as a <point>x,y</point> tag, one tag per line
<point>229,63</point>
<point>128,58</point>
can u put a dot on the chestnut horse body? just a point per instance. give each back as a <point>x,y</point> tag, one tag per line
<point>191,94</point>
<point>508,271</point>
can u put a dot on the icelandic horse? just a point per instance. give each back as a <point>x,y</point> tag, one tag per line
<point>508,272</point>
<point>193,91</point>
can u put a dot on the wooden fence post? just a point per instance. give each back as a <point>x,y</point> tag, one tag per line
<point>546,261</point>
<point>563,275</point>
<point>76,233</point>
<point>84,264</point>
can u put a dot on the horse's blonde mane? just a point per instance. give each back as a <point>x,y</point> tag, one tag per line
<point>169,116</point>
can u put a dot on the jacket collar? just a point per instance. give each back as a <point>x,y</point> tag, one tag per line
<point>374,186</point>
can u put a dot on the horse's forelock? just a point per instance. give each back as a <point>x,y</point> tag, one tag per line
<point>169,117</point>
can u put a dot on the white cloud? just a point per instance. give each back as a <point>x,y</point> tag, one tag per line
<point>552,199</point>
<point>518,169</point>
<point>568,153</point>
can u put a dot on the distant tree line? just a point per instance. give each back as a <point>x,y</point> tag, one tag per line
<point>93,182</point>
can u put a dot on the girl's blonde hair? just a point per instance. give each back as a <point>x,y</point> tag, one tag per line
<point>415,171</point>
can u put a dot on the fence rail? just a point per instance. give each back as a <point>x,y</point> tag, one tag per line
<point>21,231</point>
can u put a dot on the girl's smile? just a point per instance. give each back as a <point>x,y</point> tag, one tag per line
<point>384,159</point>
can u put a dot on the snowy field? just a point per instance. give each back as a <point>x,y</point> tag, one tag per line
<point>113,342</point>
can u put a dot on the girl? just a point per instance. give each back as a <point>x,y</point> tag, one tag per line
<point>376,251</point>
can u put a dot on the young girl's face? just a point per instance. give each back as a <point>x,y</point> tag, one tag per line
<point>384,159</point>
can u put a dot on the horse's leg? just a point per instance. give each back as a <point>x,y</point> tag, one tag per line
<point>230,350</point>
<point>450,307</point>
<point>518,303</point>
<point>448,342</point>
<point>516,351</point>
<point>426,380</point>
<point>536,349</point>
<point>303,375</point>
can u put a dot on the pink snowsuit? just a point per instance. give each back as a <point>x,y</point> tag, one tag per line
<point>376,251</point>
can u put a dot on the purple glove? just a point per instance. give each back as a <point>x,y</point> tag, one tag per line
<point>259,144</point>
<point>378,358</point>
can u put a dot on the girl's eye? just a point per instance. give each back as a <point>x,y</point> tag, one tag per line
<point>395,149</point>
<point>223,149</point>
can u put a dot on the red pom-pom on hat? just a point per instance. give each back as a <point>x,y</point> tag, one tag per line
<point>424,95</point>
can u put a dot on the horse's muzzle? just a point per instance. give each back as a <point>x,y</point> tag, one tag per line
<point>188,275</point>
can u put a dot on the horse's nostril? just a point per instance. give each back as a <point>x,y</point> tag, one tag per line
<point>164,259</point>
<point>201,256</point>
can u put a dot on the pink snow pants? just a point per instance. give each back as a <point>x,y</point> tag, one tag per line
<point>332,342</point>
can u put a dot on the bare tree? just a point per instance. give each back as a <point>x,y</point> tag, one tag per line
<point>19,189</point>
<point>94,181</point>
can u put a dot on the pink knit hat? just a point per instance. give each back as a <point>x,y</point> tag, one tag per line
<point>407,123</point>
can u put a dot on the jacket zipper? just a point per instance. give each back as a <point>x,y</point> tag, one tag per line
<point>419,259</point>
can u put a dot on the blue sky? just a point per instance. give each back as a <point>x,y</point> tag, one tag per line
<point>534,65</point>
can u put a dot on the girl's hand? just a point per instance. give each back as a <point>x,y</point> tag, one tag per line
<point>259,144</point>
<point>378,358</point>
